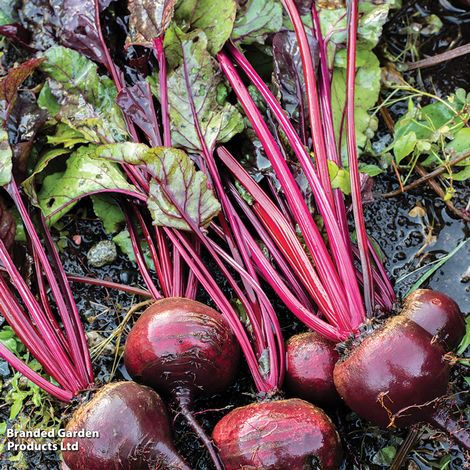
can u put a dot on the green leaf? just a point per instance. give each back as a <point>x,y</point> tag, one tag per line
<point>429,121</point>
<point>76,74</point>
<point>385,456</point>
<point>15,409</point>
<point>376,248</point>
<point>465,343</point>
<point>48,101</point>
<point>148,19</point>
<point>461,141</point>
<point>247,197</point>
<point>462,96</point>
<point>108,210</point>
<point>433,25</point>
<point>8,11</point>
<point>9,339</point>
<point>19,457</point>
<point>6,333</point>
<point>370,170</point>
<point>371,24</point>
<point>366,95</point>
<point>219,120</point>
<point>437,265</point>
<point>462,175</point>
<point>333,24</point>
<point>214,17</point>
<point>404,146</point>
<point>124,152</point>
<point>66,136</point>
<point>6,155</point>
<point>18,399</point>
<point>123,241</point>
<point>77,96</point>
<point>172,49</point>
<point>430,130</point>
<point>363,57</point>
<point>256,20</point>
<point>339,178</point>
<point>177,190</point>
<point>442,114</point>
<point>84,175</point>
<point>29,183</point>
<point>9,343</point>
<point>371,21</point>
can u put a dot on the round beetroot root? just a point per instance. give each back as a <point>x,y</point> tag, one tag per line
<point>181,344</point>
<point>310,363</point>
<point>288,434</point>
<point>393,375</point>
<point>438,314</point>
<point>133,432</point>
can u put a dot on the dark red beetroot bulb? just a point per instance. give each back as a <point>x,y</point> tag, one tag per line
<point>183,348</point>
<point>133,428</point>
<point>438,314</point>
<point>278,435</point>
<point>391,376</point>
<point>310,363</point>
<point>180,346</point>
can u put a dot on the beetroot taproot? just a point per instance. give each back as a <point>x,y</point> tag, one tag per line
<point>311,359</point>
<point>133,432</point>
<point>180,346</point>
<point>286,434</point>
<point>438,314</point>
<point>395,374</point>
<point>183,349</point>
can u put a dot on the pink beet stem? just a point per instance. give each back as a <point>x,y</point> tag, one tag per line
<point>362,239</point>
<point>323,262</point>
<point>22,368</point>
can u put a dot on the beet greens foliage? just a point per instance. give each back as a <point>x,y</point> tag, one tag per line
<point>56,340</point>
<point>214,139</point>
<point>110,126</point>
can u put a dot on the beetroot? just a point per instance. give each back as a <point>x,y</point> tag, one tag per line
<point>286,434</point>
<point>333,286</point>
<point>134,431</point>
<point>438,314</point>
<point>393,374</point>
<point>179,346</point>
<point>310,362</point>
<point>183,348</point>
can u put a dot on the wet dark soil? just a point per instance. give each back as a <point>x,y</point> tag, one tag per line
<point>401,238</point>
<point>410,246</point>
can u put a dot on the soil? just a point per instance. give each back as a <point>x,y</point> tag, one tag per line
<point>402,238</point>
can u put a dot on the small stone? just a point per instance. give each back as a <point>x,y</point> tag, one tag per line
<point>465,276</point>
<point>102,253</point>
<point>417,211</point>
<point>97,340</point>
<point>4,369</point>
